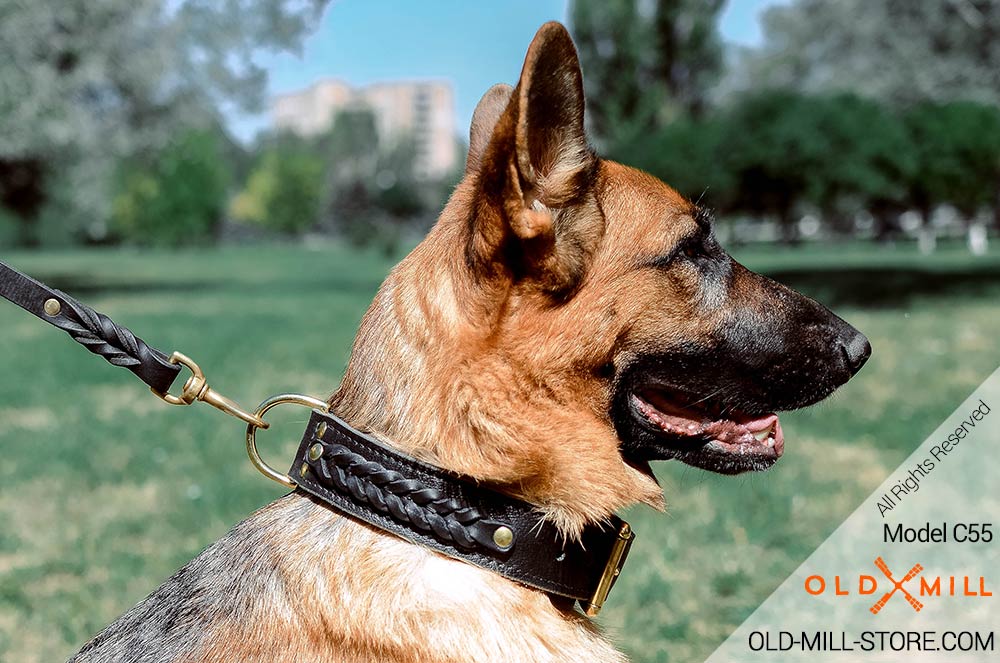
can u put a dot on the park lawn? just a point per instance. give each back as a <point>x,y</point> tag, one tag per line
<point>106,491</point>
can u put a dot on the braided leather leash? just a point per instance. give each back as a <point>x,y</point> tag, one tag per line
<point>359,476</point>
<point>117,344</point>
<point>93,330</point>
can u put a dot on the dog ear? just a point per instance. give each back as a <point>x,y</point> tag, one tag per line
<point>484,120</point>
<point>536,172</point>
<point>552,156</point>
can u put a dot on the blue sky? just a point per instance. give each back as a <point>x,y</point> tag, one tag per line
<point>475,44</point>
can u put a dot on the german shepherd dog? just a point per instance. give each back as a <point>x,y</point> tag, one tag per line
<point>566,321</point>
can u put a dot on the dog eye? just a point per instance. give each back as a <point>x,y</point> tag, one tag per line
<point>694,249</point>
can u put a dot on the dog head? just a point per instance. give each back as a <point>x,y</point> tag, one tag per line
<point>570,319</point>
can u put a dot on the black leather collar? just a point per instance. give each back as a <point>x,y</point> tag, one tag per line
<point>366,480</point>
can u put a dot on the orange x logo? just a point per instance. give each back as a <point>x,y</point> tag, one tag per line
<point>897,585</point>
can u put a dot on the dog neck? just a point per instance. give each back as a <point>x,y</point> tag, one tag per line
<point>431,375</point>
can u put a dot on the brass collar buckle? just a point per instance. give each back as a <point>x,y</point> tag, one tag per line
<point>616,560</point>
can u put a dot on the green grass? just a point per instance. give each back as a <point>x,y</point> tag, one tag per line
<point>106,491</point>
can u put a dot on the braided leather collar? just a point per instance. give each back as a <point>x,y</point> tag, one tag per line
<point>366,480</point>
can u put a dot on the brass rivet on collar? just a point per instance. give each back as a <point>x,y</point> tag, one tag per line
<point>304,469</point>
<point>321,429</point>
<point>503,536</point>
<point>315,451</point>
<point>52,307</point>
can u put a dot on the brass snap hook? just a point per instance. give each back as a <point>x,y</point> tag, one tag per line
<point>196,389</point>
<point>262,409</point>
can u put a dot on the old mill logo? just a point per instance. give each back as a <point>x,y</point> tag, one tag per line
<point>897,585</point>
<point>905,587</point>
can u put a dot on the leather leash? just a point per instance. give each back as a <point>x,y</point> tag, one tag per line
<point>89,328</point>
<point>360,477</point>
<point>118,345</point>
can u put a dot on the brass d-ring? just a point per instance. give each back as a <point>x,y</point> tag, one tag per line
<point>274,401</point>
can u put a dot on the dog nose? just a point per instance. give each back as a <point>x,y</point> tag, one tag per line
<point>856,349</point>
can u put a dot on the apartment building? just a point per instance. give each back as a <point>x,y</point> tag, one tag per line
<point>424,110</point>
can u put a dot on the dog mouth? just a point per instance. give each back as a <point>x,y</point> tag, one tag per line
<point>706,434</point>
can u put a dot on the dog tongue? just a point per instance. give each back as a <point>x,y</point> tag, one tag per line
<point>727,430</point>
<point>739,430</point>
<point>758,424</point>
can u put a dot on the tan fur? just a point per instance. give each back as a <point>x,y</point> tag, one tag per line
<point>499,384</point>
<point>484,352</point>
<point>475,370</point>
<point>506,397</point>
<point>361,596</point>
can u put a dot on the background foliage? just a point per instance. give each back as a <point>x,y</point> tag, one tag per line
<point>878,107</point>
<point>87,85</point>
<point>175,196</point>
<point>854,114</point>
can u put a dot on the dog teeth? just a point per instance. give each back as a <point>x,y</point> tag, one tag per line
<point>765,435</point>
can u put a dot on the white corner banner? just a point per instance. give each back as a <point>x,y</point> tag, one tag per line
<point>913,574</point>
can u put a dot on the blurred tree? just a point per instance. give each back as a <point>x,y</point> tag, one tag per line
<point>350,149</point>
<point>898,51</point>
<point>396,183</point>
<point>285,191</point>
<point>347,180</point>
<point>771,146</point>
<point>958,157</point>
<point>374,188</point>
<point>85,83</point>
<point>689,155</point>
<point>839,153</point>
<point>866,162</point>
<point>352,141</point>
<point>179,198</point>
<point>646,63</point>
